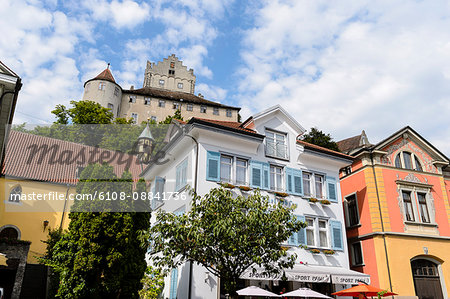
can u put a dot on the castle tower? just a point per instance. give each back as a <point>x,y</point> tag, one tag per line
<point>104,90</point>
<point>170,74</point>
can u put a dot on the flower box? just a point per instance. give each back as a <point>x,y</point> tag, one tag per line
<point>314,251</point>
<point>329,251</point>
<point>281,194</point>
<point>325,202</point>
<point>228,185</point>
<point>313,200</point>
<point>245,188</point>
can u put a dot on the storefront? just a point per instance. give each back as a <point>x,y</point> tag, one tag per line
<point>323,279</point>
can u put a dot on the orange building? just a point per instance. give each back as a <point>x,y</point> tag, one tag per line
<point>397,211</point>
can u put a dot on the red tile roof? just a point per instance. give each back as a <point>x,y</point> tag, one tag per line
<point>105,75</point>
<point>323,149</point>
<point>19,161</point>
<point>229,124</point>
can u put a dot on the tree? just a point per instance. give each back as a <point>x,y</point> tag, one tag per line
<point>317,137</point>
<point>153,282</point>
<point>83,112</point>
<point>226,235</point>
<point>176,115</point>
<point>102,254</point>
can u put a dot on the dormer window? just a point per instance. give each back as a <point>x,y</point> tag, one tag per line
<point>408,160</point>
<point>276,144</point>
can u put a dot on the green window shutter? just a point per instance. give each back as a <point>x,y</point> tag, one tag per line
<point>213,166</point>
<point>336,235</point>
<point>331,189</point>
<point>301,235</point>
<point>173,284</point>
<point>256,174</point>
<point>297,182</point>
<point>266,176</point>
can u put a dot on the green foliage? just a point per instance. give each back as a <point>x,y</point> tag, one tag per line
<point>83,112</point>
<point>317,137</point>
<point>103,254</point>
<point>53,277</point>
<point>226,235</point>
<point>177,115</point>
<point>153,282</point>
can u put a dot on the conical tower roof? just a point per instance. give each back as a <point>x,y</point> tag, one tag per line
<point>105,75</point>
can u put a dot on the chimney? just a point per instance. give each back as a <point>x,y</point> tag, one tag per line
<point>200,96</point>
<point>132,87</point>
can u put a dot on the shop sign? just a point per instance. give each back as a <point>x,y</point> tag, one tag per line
<point>343,279</point>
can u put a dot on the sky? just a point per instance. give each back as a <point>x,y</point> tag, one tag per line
<point>340,66</point>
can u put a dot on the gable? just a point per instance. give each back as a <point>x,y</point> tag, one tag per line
<point>278,119</point>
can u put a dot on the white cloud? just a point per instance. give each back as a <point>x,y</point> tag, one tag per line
<point>348,66</point>
<point>211,92</point>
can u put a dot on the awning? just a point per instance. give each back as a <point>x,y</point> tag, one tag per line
<point>311,273</point>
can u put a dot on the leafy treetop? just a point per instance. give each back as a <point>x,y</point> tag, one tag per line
<point>317,137</point>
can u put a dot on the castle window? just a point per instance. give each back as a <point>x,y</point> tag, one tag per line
<point>180,85</point>
<point>153,118</point>
<point>101,86</point>
<point>216,111</point>
<point>176,105</point>
<point>161,82</point>
<point>172,64</point>
<point>162,103</point>
<point>172,72</point>
<point>15,194</point>
<point>229,113</point>
<point>189,107</point>
<point>134,117</point>
<point>202,109</point>
<point>146,101</point>
<point>408,160</point>
<point>132,99</point>
<point>110,106</point>
<point>116,91</point>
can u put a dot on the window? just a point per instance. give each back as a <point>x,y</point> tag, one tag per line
<point>134,117</point>
<point>229,113</point>
<point>153,118</point>
<point>180,85</point>
<point>423,208</point>
<point>409,213</point>
<point>111,106</point>
<point>161,82</point>
<point>181,175</point>
<point>161,103</point>
<point>132,99</point>
<point>408,160</point>
<point>310,232</point>
<point>189,107</point>
<point>147,101</point>
<point>202,109</point>
<point>226,164</point>
<point>323,233</point>
<point>116,91</point>
<point>356,254</point>
<point>171,72</point>
<point>319,185</point>
<point>10,233</point>
<point>352,210</point>
<point>241,171</point>
<point>172,64</point>
<point>176,105</point>
<point>15,194</point>
<point>276,144</point>
<point>216,111</point>
<point>158,192</point>
<point>101,86</point>
<point>307,183</point>
<point>276,178</point>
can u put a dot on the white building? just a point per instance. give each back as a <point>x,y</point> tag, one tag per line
<point>263,152</point>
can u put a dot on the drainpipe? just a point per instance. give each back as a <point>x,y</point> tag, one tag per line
<point>64,209</point>
<point>382,223</point>
<point>195,190</point>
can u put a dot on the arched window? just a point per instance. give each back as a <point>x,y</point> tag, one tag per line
<point>9,233</point>
<point>408,160</point>
<point>15,194</point>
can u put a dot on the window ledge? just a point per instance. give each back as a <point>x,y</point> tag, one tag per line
<point>358,265</point>
<point>354,226</point>
<point>279,158</point>
<point>421,223</point>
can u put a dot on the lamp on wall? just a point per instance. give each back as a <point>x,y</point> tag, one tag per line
<point>207,276</point>
<point>45,224</point>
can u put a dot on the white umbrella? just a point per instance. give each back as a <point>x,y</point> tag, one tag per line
<point>305,292</point>
<point>255,291</point>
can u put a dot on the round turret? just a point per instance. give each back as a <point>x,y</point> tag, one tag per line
<point>104,90</point>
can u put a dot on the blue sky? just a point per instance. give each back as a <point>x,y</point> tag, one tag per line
<point>342,66</point>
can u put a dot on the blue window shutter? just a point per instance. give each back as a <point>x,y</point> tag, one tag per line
<point>331,189</point>
<point>293,238</point>
<point>266,176</point>
<point>178,178</point>
<point>297,182</point>
<point>255,174</point>
<point>301,236</point>
<point>181,174</point>
<point>213,166</point>
<point>154,200</point>
<point>173,284</point>
<point>336,235</point>
<point>288,175</point>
